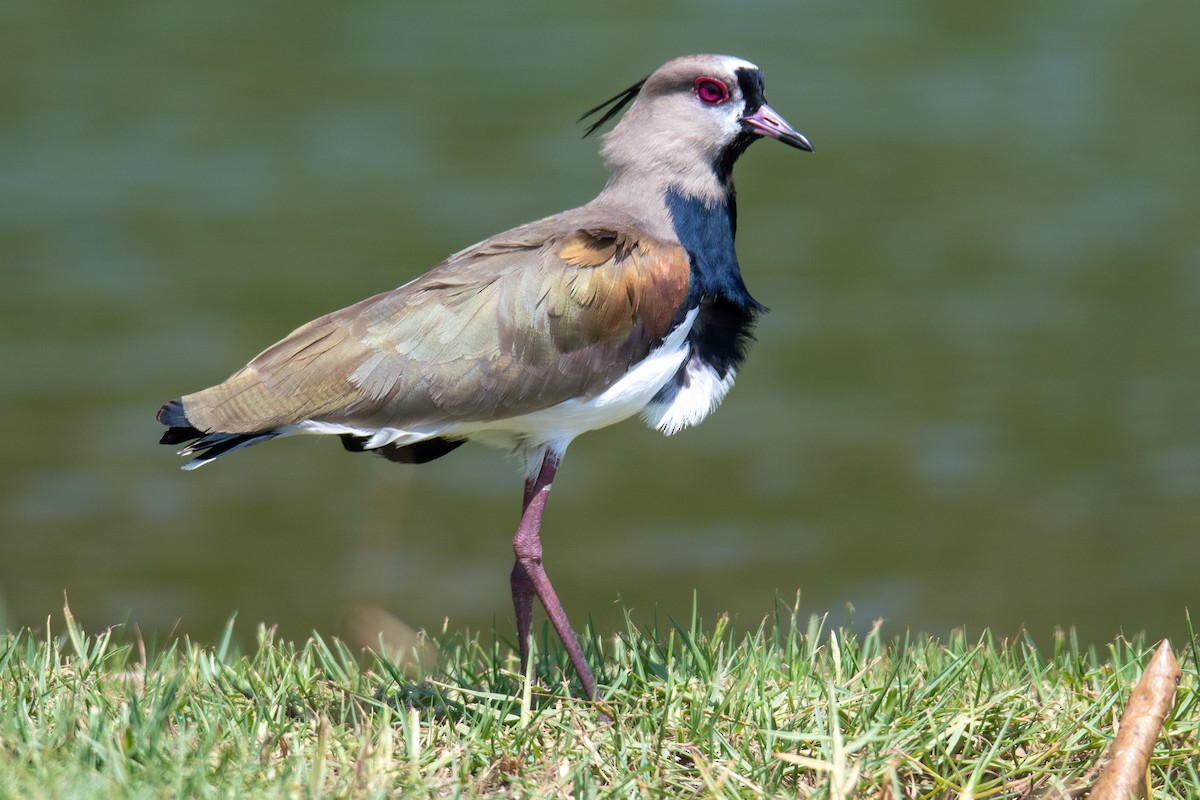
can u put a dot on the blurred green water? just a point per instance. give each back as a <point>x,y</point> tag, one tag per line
<point>974,403</point>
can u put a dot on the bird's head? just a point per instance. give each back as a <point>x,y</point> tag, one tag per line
<point>690,120</point>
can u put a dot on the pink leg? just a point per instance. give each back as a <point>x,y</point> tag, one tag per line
<point>522,589</point>
<point>522,594</point>
<point>529,577</point>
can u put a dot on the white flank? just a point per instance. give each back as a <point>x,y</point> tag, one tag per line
<point>565,421</point>
<point>702,391</point>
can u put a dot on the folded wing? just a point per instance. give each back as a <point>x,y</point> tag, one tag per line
<point>505,328</point>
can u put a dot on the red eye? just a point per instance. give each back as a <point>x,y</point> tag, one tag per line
<point>711,91</point>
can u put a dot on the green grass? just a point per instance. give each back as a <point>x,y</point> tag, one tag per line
<point>787,710</point>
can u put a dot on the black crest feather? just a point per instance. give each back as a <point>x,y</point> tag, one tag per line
<point>617,103</point>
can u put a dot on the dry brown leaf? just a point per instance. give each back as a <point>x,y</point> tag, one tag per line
<point>1124,775</point>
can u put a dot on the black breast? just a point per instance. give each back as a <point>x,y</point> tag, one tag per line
<point>724,326</point>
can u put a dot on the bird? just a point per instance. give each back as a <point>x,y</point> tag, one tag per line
<point>632,303</point>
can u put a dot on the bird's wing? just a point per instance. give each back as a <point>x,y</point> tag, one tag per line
<point>508,327</point>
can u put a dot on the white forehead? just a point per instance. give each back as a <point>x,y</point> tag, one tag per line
<point>733,63</point>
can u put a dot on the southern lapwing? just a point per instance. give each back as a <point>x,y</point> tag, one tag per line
<point>631,304</point>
